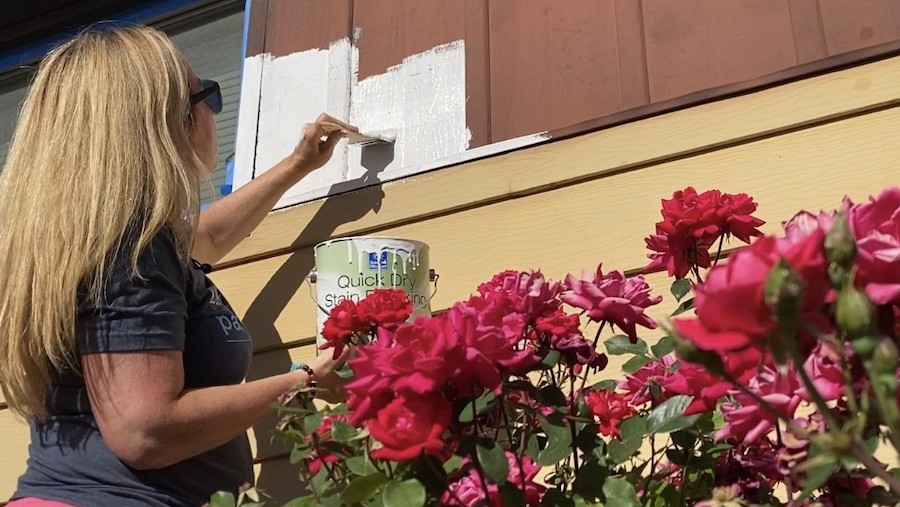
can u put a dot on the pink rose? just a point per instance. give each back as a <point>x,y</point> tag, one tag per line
<point>422,357</point>
<point>805,223</point>
<point>746,420</point>
<point>824,368</point>
<point>613,298</point>
<point>469,490</point>
<point>876,228</point>
<point>409,426</point>
<point>530,293</point>
<point>638,386</point>
<point>731,309</point>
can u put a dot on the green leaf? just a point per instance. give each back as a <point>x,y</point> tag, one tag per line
<point>684,439</point>
<point>360,465</point>
<point>493,461</point>
<point>222,499</point>
<point>551,359</point>
<point>312,422</point>
<point>589,481</point>
<point>620,492</point>
<point>342,432</point>
<point>620,452</point>
<point>512,496</point>
<point>303,501</point>
<point>663,347</point>
<point>664,417</point>
<point>559,440</point>
<point>680,288</point>
<point>299,453</point>
<point>532,447</point>
<point>479,406</point>
<point>685,305</point>
<point>409,493</point>
<point>819,467</point>
<point>605,385</point>
<point>553,396</point>
<point>635,363</point>
<point>556,498</point>
<point>633,428</point>
<point>331,501</point>
<point>621,344</point>
<point>452,464</point>
<point>363,488</point>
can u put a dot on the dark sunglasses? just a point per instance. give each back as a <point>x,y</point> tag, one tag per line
<point>209,93</point>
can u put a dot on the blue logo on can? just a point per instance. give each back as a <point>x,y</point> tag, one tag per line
<point>378,261</point>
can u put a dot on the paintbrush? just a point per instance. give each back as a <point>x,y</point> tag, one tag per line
<point>362,138</point>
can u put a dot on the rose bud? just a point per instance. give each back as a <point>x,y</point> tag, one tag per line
<point>854,312</point>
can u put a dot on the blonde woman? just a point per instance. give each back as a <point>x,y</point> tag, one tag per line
<point>110,336</point>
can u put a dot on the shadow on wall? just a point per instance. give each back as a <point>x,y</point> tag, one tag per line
<point>277,478</point>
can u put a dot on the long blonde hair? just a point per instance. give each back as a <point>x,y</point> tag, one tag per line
<point>101,148</point>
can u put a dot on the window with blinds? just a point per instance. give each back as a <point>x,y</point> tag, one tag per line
<point>212,44</point>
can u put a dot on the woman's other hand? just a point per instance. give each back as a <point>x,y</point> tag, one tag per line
<point>317,143</point>
<point>326,366</point>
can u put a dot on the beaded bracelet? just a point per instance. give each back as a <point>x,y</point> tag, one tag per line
<point>309,371</point>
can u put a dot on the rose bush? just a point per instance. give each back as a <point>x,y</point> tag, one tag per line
<point>774,383</point>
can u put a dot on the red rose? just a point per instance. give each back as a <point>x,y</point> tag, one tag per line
<point>731,309</point>
<point>692,223</point>
<point>340,325</point>
<point>409,426</point>
<point>370,390</point>
<point>611,408</point>
<point>385,308</point>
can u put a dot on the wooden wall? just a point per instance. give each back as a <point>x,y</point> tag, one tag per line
<point>562,206</point>
<point>542,65</point>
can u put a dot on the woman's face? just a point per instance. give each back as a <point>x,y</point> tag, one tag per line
<point>203,132</point>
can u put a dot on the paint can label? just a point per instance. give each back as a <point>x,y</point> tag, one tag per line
<point>352,268</point>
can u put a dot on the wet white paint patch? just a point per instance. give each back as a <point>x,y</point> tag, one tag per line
<point>421,101</point>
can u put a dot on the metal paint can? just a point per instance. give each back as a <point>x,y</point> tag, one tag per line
<point>351,268</point>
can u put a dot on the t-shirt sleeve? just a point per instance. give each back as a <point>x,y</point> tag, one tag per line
<point>139,313</point>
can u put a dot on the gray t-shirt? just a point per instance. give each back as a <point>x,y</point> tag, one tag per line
<point>175,307</point>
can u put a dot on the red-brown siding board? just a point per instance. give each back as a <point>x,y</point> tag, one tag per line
<point>632,54</point>
<point>552,64</point>
<point>299,25</point>
<point>256,35</point>
<point>392,30</point>
<point>693,45</point>
<point>478,75</point>
<point>856,24</point>
<point>809,34</point>
<point>545,65</point>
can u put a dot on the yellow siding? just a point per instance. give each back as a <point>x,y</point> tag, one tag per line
<point>562,207</point>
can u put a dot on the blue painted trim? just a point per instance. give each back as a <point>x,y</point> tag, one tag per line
<point>34,51</point>
<point>227,187</point>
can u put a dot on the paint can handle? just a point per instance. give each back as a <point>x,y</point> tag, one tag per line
<point>433,278</point>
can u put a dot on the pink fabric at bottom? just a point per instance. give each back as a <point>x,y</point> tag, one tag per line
<point>36,502</point>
